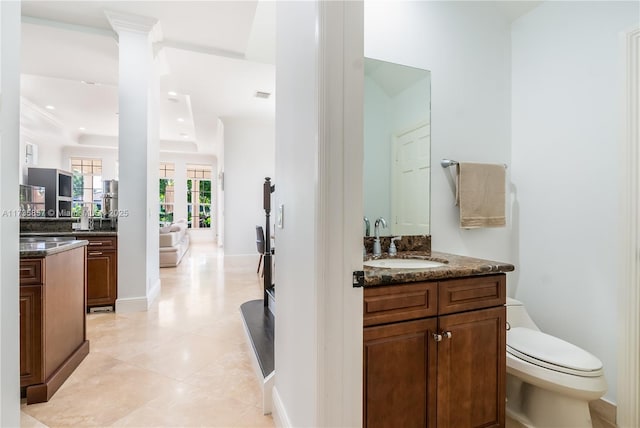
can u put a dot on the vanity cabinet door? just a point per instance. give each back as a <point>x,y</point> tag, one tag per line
<point>400,375</point>
<point>471,369</point>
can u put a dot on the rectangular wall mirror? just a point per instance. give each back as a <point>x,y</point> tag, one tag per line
<point>397,147</point>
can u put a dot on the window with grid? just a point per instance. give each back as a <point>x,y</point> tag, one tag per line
<point>87,186</point>
<point>167,192</point>
<point>199,196</point>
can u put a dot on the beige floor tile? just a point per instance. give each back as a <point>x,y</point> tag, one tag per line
<point>27,421</point>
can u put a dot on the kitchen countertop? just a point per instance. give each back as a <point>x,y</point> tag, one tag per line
<point>455,267</point>
<point>47,248</point>
<point>72,233</point>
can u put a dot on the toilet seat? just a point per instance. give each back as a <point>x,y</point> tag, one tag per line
<point>552,353</point>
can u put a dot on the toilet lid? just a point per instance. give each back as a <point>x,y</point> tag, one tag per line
<point>552,353</point>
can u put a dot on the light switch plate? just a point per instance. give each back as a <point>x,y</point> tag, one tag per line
<point>280,216</point>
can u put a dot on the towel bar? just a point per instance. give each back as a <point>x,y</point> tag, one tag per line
<point>446,163</point>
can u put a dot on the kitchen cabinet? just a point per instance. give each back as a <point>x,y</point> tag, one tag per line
<point>58,189</point>
<point>52,321</point>
<point>102,270</point>
<point>435,353</point>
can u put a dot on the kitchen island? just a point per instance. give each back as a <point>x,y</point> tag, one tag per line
<point>52,314</point>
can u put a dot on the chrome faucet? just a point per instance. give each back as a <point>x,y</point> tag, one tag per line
<point>377,250</point>
<point>367,227</point>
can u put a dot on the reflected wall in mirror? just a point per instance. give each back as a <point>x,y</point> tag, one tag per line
<point>397,147</point>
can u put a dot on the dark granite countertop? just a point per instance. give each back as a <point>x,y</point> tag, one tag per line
<point>72,233</point>
<point>47,248</point>
<point>455,266</point>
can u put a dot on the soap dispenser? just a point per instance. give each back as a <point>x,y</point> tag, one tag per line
<point>392,248</point>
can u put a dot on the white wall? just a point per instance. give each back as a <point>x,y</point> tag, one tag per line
<point>319,151</point>
<point>9,224</point>
<point>296,384</point>
<point>249,154</point>
<point>466,46</point>
<point>566,123</point>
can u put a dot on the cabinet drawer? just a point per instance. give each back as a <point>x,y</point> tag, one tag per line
<point>466,294</point>
<point>99,243</point>
<point>399,303</point>
<point>31,272</point>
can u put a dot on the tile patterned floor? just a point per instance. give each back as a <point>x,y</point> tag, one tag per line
<point>183,363</point>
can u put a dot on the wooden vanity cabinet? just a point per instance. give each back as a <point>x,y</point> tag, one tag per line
<point>443,369</point>
<point>102,270</point>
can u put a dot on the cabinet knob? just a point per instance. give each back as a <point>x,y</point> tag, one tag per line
<point>446,334</point>
<point>437,337</point>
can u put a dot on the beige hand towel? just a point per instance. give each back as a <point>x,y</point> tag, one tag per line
<point>480,194</point>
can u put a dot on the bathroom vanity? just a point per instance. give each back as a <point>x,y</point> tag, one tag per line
<point>434,344</point>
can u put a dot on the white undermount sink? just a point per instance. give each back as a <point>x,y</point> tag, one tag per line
<point>403,263</point>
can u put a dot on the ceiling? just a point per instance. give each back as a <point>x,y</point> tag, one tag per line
<point>217,54</point>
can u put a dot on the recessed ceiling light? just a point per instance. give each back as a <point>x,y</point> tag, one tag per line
<point>180,119</point>
<point>172,93</point>
<point>50,107</point>
<point>82,128</point>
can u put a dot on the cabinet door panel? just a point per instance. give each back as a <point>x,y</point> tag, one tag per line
<point>400,375</point>
<point>31,368</point>
<point>471,369</point>
<point>101,278</point>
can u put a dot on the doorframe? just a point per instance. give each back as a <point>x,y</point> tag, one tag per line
<point>628,393</point>
<point>339,210</point>
<point>10,25</point>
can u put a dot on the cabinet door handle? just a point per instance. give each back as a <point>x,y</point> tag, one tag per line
<point>95,253</point>
<point>446,335</point>
<point>437,337</point>
<point>95,243</point>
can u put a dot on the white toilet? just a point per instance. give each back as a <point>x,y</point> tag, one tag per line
<point>549,381</point>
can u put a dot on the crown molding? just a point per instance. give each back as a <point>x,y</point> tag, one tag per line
<point>125,22</point>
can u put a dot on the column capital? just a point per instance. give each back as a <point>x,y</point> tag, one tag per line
<point>125,22</point>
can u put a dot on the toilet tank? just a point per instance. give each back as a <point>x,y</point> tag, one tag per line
<point>517,315</point>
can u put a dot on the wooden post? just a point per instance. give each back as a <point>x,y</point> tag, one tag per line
<point>267,189</point>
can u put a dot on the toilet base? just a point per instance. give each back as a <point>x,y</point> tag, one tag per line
<point>535,407</point>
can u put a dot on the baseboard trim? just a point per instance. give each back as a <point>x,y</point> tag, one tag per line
<point>131,304</point>
<point>279,413</point>
<point>153,292</point>
<point>605,410</point>
<point>139,304</point>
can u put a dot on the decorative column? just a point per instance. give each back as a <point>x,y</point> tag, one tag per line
<point>139,91</point>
